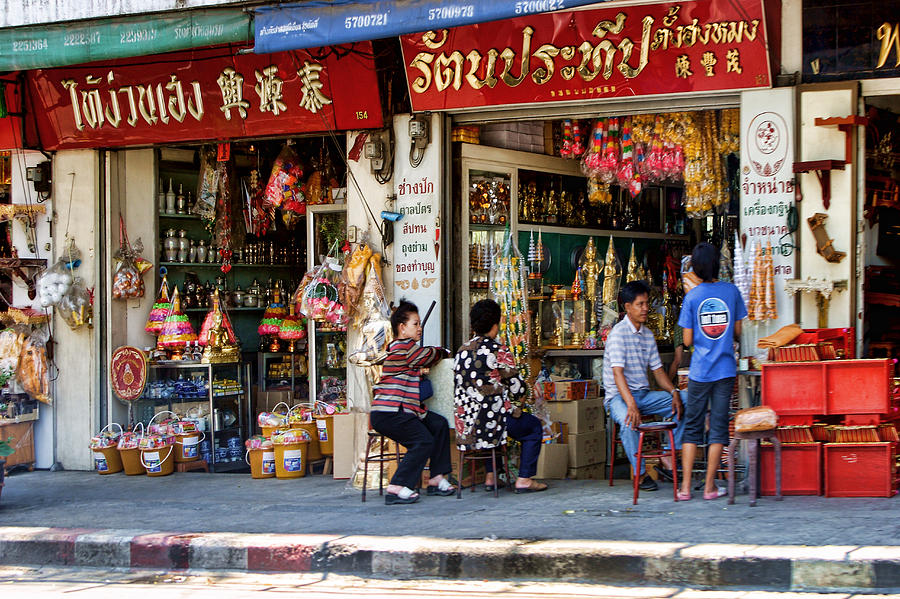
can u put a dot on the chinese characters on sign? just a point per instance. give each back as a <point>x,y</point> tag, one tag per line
<point>205,98</point>
<point>703,45</point>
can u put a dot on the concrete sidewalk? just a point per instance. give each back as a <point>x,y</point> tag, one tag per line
<point>578,530</point>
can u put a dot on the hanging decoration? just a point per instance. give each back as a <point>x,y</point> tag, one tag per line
<point>565,149</point>
<point>769,301</point>
<point>507,283</point>
<point>756,307</point>
<point>725,272</point>
<point>742,272</point>
<point>577,142</point>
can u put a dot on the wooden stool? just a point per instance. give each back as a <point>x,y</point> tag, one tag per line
<point>752,470</point>
<point>380,458</point>
<point>479,455</point>
<point>663,429</point>
<point>195,466</point>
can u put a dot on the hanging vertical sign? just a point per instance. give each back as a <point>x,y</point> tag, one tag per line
<point>417,235</point>
<point>767,186</point>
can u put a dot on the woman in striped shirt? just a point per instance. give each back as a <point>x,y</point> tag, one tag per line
<point>399,413</point>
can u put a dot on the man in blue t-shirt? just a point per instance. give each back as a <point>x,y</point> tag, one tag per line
<point>711,318</point>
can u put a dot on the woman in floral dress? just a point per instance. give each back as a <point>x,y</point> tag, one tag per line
<point>487,383</point>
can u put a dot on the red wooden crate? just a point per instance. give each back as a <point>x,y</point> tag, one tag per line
<point>844,340</point>
<point>859,470</point>
<point>795,389</point>
<point>801,469</point>
<point>858,386</point>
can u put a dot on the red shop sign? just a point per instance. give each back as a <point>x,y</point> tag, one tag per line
<point>616,52</point>
<point>208,94</point>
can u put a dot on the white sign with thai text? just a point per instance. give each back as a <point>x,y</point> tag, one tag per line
<point>418,245</point>
<point>767,187</point>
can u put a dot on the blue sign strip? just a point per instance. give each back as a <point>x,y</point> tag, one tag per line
<point>323,23</point>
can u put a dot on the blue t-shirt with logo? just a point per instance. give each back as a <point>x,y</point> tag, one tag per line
<point>711,309</point>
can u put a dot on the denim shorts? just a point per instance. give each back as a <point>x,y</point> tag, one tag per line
<point>715,396</point>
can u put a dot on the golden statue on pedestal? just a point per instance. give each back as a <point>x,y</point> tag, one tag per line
<point>221,343</point>
<point>590,269</point>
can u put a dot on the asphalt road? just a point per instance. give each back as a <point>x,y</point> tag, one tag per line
<point>34,583</point>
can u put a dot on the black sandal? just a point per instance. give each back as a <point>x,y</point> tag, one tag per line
<point>395,499</point>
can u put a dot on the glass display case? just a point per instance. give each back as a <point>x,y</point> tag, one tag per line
<point>284,371</point>
<point>327,346</point>
<point>217,396</point>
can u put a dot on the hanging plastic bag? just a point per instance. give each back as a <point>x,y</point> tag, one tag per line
<point>53,284</point>
<point>77,306</point>
<point>33,370</point>
<point>353,277</point>
<point>127,280</point>
<point>319,298</point>
<point>284,182</point>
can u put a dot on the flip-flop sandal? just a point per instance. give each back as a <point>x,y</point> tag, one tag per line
<point>442,489</point>
<point>490,488</point>
<point>684,496</point>
<point>405,496</point>
<point>719,492</point>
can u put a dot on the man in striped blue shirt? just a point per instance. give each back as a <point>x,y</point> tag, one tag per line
<point>630,351</point>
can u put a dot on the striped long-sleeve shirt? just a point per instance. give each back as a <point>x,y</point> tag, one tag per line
<point>400,374</point>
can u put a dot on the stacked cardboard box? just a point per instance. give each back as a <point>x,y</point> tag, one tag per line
<point>585,418</point>
<point>523,136</point>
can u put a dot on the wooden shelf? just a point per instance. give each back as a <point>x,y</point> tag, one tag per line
<point>597,232</point>
<point>576,353</point>
<point>233,265</point>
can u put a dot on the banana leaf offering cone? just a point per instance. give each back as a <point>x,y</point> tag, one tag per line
<point>160,309</point>
<point>176,331</point>
<point>273,317</point>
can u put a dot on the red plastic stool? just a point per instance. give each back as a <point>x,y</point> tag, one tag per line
<point>661,428</point>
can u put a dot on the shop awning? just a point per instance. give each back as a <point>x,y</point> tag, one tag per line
<point>38,47</point>
<point>324,23</point>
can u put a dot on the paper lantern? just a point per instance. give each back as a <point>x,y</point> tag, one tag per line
<point>160,309</point>
<point>176,331</point>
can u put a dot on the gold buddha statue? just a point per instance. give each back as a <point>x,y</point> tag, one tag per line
<point>220,346</point>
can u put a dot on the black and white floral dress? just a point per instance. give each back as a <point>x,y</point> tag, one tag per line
<point>486,382</point>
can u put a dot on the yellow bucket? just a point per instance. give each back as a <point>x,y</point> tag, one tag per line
<point>131,461</point>
<point>187,446</point>
<point>107,460</point>
<point>310,427</point>
<point>262,463</point>
<point>158,462</point>
<point>291,459</point>
<point>325,434</point>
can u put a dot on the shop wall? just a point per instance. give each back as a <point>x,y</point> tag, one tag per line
<point>822,143</point>
<point>76,188</point>
<point>362,189</point>
<point>131,194</point>
<point>22,193</point>
<point>791,36</point>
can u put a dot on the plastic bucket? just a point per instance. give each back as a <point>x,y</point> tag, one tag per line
<point>315,453</point>
<point>325,434</point>
<point>187,446</point>
<point>267,431</point>
<point>131,461</point>
<point>262,463</point>
<point>290,460</point>
<point>158,462</point>
<point>107,460</point>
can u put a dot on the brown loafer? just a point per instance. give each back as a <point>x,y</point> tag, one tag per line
<point>534,487</point>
